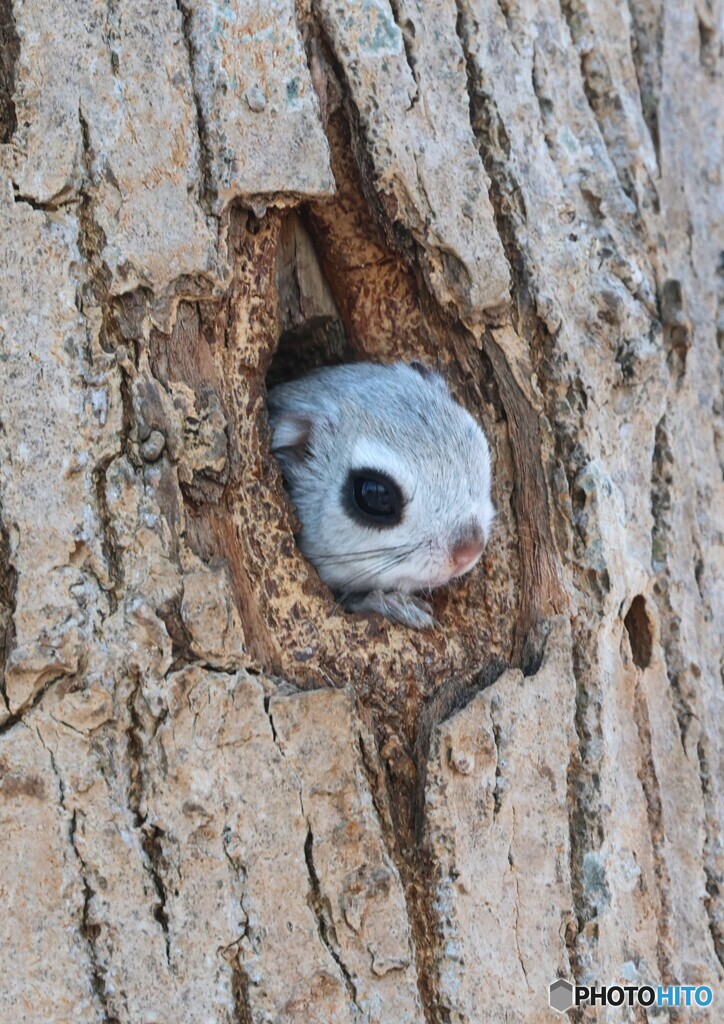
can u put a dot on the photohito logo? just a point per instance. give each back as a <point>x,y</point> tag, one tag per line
<point>562,995</point>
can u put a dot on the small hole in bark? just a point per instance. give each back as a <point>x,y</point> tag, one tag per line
<point>638,628</point>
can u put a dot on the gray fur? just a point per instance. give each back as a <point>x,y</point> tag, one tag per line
<point>400,420</point>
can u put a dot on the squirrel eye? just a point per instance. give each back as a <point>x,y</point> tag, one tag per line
<point>374,497</point>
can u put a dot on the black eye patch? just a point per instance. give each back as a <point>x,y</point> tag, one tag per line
<point>373,498</point>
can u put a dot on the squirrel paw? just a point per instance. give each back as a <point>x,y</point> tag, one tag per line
<point>394,605</point>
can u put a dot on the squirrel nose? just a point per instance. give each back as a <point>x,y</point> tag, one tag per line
<point>466,551</point>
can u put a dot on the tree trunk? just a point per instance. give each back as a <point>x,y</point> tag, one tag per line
<point>223,799</point>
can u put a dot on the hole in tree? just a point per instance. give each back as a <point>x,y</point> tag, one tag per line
<point>638,628</point>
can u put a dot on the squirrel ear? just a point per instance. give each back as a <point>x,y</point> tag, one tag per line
<point>421,368</point>
<point>428,374</point>
<point>293,430</point>
<point>290,433</point>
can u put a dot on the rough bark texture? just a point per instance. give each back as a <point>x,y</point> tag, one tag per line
<point>223,799</point>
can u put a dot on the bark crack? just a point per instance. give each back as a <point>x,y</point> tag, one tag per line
<point>322,910</point>
<point>240,992</point>
<point>654,811</point>
<point>8,592</point>
<point>662,480</point>
<point>545,103</point>
<point>9,53</point>
<point>316,900</point>
<point>493,145</point>
<point>597,86</point>
<point>541,587</point>
<point>64,198</point>
<point>207,191</point>
<point>150,835</point>
<point>30,705</point>
<point>511,861</point>
<point>603,86</point>
<point>647,47</point>
<point>375,782</point>
<point>109,548</point>
<point>712,873</point>
<point>504,6</point>
<point>499,781</point>
<point>94,292</point>
<point>112,34</point>
<point>88,929</point>
<point>584,810</point>
<point>233,953</point>
<point>91,237</point>
<point>153,849</point>
<point>267,709</point>
<point>414,861</point>
<point>401,827</point>
<point>407,31</point>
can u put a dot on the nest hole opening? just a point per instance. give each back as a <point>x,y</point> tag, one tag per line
<point>640,636</point>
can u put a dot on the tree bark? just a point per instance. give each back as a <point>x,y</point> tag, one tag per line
<point>223,799</point>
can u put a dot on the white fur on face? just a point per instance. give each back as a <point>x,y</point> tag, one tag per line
<point>394,420</point>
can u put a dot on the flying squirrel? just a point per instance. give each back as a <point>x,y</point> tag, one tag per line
<point>391,481</point>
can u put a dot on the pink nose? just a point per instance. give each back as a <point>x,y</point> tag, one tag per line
<point>465,554</point>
